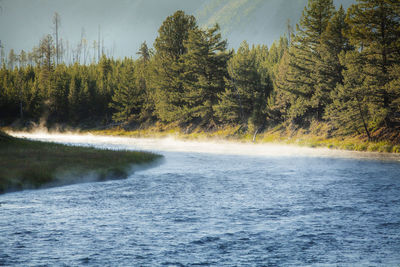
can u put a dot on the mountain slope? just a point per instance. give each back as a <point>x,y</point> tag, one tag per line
<point>257,21</point>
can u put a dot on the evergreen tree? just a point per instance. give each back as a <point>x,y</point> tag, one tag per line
<point>393,89</point>
<point>144,52</point>
<point>279,102</point>
<point>342,68</point>
<point>277,58</point>
<point>47,52</point>
<point>353,109</point>
<point>142,72</point>
<point>34,106</point>
<point>58,96</point>
<point>74,100</point>
<point>248,87</point>
<point>205,66</point>
<point>299,79</point>
<point>276,51</point>
<point>374,31</point>
<point>104,76</point>
<point>167,67</point>
<point>328,69</point>
<point>127,100</point>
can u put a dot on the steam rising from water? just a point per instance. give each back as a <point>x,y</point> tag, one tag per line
<point>213,147</point>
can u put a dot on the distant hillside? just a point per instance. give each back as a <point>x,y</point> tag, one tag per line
<point>257,21</point>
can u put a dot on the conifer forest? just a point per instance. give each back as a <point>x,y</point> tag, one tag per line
<point>337,67</point>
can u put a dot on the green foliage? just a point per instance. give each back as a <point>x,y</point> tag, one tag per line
<point>128,98</point>
<point>58,94</point>
<point>328,68</point>
<point>299,78</point>
<point>167,67</point>
<point>205,71</point>
<point>340,68</point>
<point>368,96</point>
<point>352,110</point>
<point>248,88</point>
<point>375,31</point>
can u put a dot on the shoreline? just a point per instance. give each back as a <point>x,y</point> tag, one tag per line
<point>173,143</point>
<point>315,137</point>
<point>272,136</point>
<point>34,164</point>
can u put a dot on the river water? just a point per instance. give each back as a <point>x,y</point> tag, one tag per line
<point>212,204</point>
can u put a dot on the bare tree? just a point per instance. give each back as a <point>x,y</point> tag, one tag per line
<point>79,48</point>
<point>61,50</point>
<point>98,46</point>
<point>57,23</point>
<point>68,52</point>
<point>23,59</point>
<point>2,55</point>
<point>12,58</point>
<point>95,46</point>
<point>84,45</point>
<point>102,47</point>
<point>289,30</point>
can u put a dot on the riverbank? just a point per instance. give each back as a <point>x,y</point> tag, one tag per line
<point>315,137</point>
<point>28,164</point>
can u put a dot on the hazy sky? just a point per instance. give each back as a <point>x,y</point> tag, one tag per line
<point>125,24</point>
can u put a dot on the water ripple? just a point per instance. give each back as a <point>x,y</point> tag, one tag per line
<point>200,209</point>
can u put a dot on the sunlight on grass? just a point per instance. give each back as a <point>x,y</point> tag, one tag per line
<point>316,136</point>
<point>31,164</point>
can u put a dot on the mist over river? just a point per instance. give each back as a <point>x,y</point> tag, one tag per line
<point>212,204</point>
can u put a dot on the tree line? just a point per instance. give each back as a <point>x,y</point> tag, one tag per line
<point>340,67</point>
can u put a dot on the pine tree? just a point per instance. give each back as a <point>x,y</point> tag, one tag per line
<point>299,79</point>
<point>46,52</point>
<point>280,100</point>
<point>58,94</point>
<point>354,108</point>
<point>142,72</point>
<point>167,67</point>
<point>144,52</point>
<point>74,99</point>
<point>328,69</point>
<point>374,31</point>
<point>248,87</point>
<point>34,105</point>
<point>205,66</point>
<point>127,100</point>
<point>276,51</point>
<point>393,89</point>
<point>105,82</point>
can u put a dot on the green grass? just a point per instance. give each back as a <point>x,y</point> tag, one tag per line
<point>316,137</point>
<point>28,164</point>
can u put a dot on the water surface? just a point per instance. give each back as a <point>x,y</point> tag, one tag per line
<point>213,205</point>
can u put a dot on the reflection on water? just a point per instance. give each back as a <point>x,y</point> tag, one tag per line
<point>214,205</point>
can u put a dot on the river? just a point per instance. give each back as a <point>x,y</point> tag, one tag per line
<point>212,204</point>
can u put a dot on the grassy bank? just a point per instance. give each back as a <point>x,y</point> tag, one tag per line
<point>28,164</point>
<point>316,136</point>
